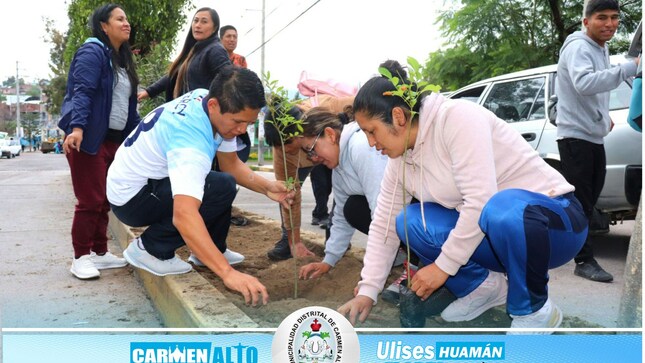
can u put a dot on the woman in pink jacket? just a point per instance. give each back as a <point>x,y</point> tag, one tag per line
<point>490,206</point>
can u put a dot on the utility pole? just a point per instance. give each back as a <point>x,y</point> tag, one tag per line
<point>261,124</point>
<point>17,102</point>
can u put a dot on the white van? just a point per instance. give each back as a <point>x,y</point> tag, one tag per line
<point>521,99</point>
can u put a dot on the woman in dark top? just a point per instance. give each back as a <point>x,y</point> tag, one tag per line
<point>199,62</point>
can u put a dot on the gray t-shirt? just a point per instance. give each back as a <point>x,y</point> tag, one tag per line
<point>120,97</point>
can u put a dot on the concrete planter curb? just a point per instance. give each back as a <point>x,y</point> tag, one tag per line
<point>188,300</point>
<point>184,301</point>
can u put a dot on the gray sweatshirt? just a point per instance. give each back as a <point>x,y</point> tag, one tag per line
<point>583,82</point>
<point>359,172</point>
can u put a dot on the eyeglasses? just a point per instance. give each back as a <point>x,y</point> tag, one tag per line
<point>311,153</point>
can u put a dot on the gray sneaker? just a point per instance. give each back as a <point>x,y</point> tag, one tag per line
<point>490,293</point>
<point>138,257</point>
<point>232,257</point>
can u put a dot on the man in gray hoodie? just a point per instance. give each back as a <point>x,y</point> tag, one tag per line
<point>584,81</point>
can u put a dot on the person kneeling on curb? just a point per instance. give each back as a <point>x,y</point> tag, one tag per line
<point>162,178</point>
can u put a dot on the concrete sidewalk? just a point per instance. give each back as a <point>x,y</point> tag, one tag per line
<point>40,292</point>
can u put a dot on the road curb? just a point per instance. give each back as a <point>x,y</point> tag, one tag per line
<point>184,301</point>
<point>188,300</point>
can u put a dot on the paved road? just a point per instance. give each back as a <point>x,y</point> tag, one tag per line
<point>38,291</point>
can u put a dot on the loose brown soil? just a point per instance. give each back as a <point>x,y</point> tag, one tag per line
<point>332,290</point>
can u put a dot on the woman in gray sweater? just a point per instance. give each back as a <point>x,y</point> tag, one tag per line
<point>332,140</point>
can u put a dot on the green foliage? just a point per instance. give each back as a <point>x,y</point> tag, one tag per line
<point>489,38</point>
<point>55,90</point>
<point>33,91</point>
<point>30,123</point>
<point>306,334</point>
<point>410,94</point>
<point>11,82</point>
<point>150,68</point>
<point>279,104</point>
<point>9,126</point>
<point>152,22</point>
<point>324,335</point>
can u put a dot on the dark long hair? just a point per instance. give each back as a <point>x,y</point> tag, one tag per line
<point>121,57</point>
<point>191,42</point>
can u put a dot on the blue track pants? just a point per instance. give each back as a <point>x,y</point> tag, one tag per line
<point>526,234</point>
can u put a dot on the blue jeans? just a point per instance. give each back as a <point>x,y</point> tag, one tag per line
<point>153,207</point>
<point>526,234</point>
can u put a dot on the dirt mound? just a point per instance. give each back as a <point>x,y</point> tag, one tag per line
<point>332,290</point>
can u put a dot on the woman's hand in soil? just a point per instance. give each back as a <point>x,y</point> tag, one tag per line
<point>314,270</point>
<point>278,191</point>
<point>360,307</point>
<point>302,250</point>
<point>250,287</point>
<point>428,279</point>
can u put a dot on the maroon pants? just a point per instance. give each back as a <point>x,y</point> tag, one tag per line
<point>89,173</point>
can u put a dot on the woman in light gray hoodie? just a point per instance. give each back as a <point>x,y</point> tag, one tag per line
<point>332,140</point>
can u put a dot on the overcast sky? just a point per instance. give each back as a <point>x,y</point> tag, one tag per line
<point>329,40</point>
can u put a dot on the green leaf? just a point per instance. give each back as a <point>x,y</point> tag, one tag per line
<point>413,63</point>
<point>385,72</point>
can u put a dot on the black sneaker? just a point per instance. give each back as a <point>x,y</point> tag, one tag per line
<point>324,222</point>
<point>591,270</point>
<point>280,251</point>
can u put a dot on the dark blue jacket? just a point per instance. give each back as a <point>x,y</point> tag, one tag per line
<point>88,96</point>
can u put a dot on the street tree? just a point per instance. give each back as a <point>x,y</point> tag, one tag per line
<point>11,82</point>
<point>489,38</point>
<point>55,90</point>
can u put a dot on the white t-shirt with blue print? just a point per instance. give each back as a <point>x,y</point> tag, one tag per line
<point>175,140</point>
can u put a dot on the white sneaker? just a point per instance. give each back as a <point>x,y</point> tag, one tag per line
<point>549,316</point>
<point>490,293</point>
<point>232,257</point>
<point>108,260</point>
<point>138,257</point>
<point>84,268</point>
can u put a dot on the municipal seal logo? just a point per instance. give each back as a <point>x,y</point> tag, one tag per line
<point>315,335</point>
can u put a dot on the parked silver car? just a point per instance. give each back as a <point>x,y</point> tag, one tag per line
<point>522,98</point>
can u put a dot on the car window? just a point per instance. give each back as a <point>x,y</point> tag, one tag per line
<point>517,100</point>
<point>620,97</point>
<point>471,95</point>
